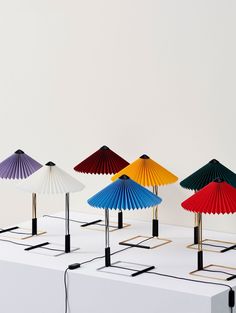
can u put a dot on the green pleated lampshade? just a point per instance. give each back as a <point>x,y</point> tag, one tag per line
<point>208,173</point>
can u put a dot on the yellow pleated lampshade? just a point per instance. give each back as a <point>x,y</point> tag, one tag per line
<point>147,172</point>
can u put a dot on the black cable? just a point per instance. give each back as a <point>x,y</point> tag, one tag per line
<point>25,245</point>
<point>66,290</point>
<point>76,221</point>
<point>88,261</point>
<point>185,279</point>
<point>216,246</point>
<point>190,279</point>
<point>217,271</point>
<point>115,252</point>
<point>62,218</point>
<point>16,243</point>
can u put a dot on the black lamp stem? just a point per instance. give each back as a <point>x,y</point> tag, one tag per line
<point>120,219</point>
<point>107,240</point>
<point>155,221</point>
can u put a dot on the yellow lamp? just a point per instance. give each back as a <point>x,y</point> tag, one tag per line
<point>148,173</point>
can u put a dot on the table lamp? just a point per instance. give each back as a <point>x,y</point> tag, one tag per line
<point>51,179</point>
<point>19,166</point>
<point>123,194</point>
<point>148,173</point>
<point>217,197</point>
<point>104,161</point>
<point>202,177</point>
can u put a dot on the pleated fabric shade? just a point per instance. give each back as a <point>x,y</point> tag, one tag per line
<point>103,161</point>
<point>147,172</point>
<point>206,174</point>
<point>218,197</point>
<point>51,179</point>
<point>18,166</point>
<point>123,194</point>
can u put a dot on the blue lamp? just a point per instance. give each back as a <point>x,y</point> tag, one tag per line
<point>123,194</point>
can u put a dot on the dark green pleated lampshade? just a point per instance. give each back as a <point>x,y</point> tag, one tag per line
<point>208,173</point>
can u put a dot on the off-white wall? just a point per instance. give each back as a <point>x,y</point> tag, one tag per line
<point>154,77</point>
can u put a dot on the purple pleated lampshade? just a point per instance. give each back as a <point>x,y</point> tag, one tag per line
<point>18,166</point>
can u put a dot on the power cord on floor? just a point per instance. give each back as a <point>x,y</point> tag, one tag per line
<point>217,246</point>
<point>231,295</point>
<point>65,287</point>
<point>77,265</point>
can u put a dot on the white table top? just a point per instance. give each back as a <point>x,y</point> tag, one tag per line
<point>173,258</point>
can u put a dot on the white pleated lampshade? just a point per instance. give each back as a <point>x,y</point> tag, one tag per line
<point>50,179</point>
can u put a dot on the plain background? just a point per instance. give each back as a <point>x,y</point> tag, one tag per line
<point>154,77</point>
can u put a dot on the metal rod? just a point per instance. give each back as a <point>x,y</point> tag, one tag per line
<point>67,223</point>
<point>155,208</point>
<point>200,252</point>
<point>107,239</point>
<point>34,215</point>
<point>199,215</point>
<point>34,205</point>
<point>67,215</point>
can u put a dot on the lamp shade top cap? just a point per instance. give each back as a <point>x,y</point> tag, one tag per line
<point>124,177</point>
<point>50,163</point>
<point>104,148</point>
<point>144,156</point>
<point>214,161</point>
<point>19,151</point>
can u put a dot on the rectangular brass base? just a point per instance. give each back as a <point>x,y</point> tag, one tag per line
<point>142,243</point>
<point>126,268</point>
<point>225,273</point>
<point>39,233</point>
<point>213,245</point>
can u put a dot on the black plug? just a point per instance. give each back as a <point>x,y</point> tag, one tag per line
<point>73,266</point>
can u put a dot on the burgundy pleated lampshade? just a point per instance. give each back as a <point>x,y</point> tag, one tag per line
<point>103,161</point>
<point>218,197</point>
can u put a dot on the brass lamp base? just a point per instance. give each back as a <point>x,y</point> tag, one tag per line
<point>40,232</point>
<point>136,242</point>
<point>213,245</point>
<point>225,273</point>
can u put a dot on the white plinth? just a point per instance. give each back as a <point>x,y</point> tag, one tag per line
<point>33,281</point>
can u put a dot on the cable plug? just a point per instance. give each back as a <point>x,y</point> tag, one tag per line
<point>73,266</point>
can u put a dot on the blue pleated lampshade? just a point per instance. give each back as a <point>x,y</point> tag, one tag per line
<point>124,194</point>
